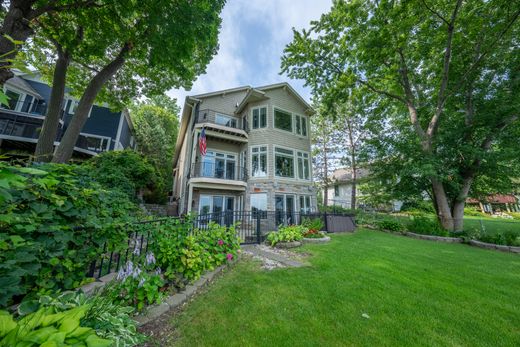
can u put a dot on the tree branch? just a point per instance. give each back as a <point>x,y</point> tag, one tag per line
<point>435,12</point>
<point>53,7</point>
<point>441,98</point>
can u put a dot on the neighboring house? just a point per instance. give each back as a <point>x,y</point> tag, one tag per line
<point>340,189</point>
<point>258,152</point>
<point>21,121</point>
<point>496,203</point>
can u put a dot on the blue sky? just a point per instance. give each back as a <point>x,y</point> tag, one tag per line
<point>252,38</point>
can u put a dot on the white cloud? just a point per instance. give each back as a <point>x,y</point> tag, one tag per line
<point>229,68</point>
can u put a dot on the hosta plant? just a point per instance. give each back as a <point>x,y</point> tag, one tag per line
<point>286,234</point>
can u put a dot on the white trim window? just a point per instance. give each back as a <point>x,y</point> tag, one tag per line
<point>283,162</point>
<point>14,99</point>
<point>259,205</point>
<point>283,120</point>
<point>300,125</point>
<point>303,166</point>
<point>259,117</point>
<point>305,204</point>
<point>259,161</point>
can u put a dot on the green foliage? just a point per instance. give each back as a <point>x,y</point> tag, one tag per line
<point>336,209</point>
<point>41,249</point>
<point>110,320</point>
<point>390,224</point>
<point>286,234</point>
<point>445,119</point>
<point>156,125</point>
<point>184,254</point>
<point>473,211</point>
<point>503,238</point>
<point>418,206</point>
<point>49,327</point>
<point>138,289</point>
<point>126,171</point>
<point>313,234</point>
<point>515,215</point>
<point>313,223</point>
<point>425,225</point>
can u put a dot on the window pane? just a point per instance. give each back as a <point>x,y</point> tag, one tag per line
<point>284,166</point>
<point>298,127</point>
<point>304,126</point>
<point>300,168</point>
<point>255,118</point>
<point>259,205</point>
<point>217,204</point>
<point>204,204</point>
<point>263,165</point>
<point>263,117</point>
<point>13,99</point>
<point>285,151</point>
<point>306,169</point>
<point>282,120</point>
<point>230,169</point>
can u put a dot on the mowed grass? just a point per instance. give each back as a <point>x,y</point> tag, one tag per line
<point>415,293</point>
<point>492,225</point>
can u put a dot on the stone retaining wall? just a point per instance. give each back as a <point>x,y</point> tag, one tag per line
<point>435,238</point>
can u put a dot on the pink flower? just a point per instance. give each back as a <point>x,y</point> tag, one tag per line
<point>220,242</point>
<point>229,256</point>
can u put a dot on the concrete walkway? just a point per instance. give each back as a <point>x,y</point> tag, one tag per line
<point>271,256</point>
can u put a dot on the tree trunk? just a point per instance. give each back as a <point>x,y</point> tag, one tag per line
<point>354,182</point>
<point>16,25</point>
<point>66,147</point>
<point>443,208</point>
<point>45,145</point>
<point>460,202</point>
<point>326,178</point>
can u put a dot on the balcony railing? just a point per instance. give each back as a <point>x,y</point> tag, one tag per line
<point>215,117</point>
<point>24,126</point>
<point>222,170</point>
<point>34,107</point>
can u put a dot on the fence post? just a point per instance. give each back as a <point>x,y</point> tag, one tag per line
<point>258,227</point>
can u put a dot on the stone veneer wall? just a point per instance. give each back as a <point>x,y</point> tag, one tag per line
<point>274,188</point>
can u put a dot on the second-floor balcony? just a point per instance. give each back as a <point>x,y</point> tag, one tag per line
<point>222,125</point>
<point>26,128</point>
<point>219,169</point>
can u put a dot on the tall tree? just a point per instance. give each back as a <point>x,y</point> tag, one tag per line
<point>452,67</point>
<point>156,124</point>
<point>18,20</point>
<point>131,48</point>
<point>325,149</point>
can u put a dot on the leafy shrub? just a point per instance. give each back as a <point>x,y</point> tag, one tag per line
<point>336,209</point>
<point>40,248</point>
<point>313,234</point>
<point>286,234</point>
<point>507,238</point>
<point>110,320</point>
<point>183,254</point>
<point>313,223</point>
<point>425,225</point>
<point>472,211</point>
<point>389,224</point>
<point>515,215</point>
<point>126,171</point>
<point>48,327</point>
<point>418,206</point>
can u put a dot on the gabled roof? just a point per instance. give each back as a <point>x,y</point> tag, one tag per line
<point>21,84</point>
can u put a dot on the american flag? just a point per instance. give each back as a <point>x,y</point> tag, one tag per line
<point>202,142</point>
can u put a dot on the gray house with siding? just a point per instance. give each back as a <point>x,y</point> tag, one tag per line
<point>22,119</point>
<point>258,152</point>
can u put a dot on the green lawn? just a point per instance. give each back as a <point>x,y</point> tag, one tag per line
<point>416,293</point>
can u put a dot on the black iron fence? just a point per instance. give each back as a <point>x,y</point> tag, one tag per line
<point>251,227</point>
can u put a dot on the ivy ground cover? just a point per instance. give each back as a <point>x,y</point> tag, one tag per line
<point>363,289</point>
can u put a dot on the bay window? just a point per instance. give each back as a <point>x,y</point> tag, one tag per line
<point>283,120</point>
<point>303,166</point>
<point>259,117</point>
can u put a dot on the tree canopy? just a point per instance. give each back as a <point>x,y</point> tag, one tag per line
<point>449,74</point>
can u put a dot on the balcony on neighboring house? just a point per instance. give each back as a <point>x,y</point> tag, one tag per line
<point>22,121</point>
<point>221,125</point>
